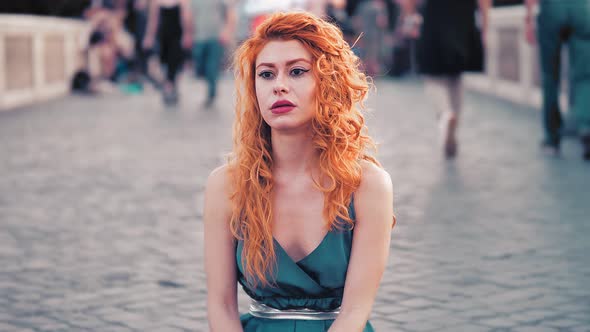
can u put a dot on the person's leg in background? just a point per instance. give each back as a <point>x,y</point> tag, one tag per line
<point>213,58</point>
<point>171,56</point>
<point>551,35</point>
<point>456,96</point>
<point>174,63</point>
<point>198,59</point>
<point>446,93</point>
<point>579,52</point>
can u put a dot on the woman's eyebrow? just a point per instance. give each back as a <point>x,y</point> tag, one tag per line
<point>288,63</point>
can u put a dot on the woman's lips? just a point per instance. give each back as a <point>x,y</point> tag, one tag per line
<point>282,106</point>
<point>282,109</point>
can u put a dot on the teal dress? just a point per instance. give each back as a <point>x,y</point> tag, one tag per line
<point>314,282</point>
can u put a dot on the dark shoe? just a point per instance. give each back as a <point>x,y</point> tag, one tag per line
<point>450,143</point>
<point>586,147</point>
<point>550,148</point>
<point>209,102</point>
<point>451,150</point>
<point>170,97</point>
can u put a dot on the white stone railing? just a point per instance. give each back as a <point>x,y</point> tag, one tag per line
<point>38,56</point>
<point>512,65</point>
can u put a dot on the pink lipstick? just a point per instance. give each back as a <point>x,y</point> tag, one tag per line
<point>282,106</point>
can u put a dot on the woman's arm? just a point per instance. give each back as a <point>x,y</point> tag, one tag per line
<point>408,7</point>
<point>231,18</point>
<point>373,202</point>
<point>410,19</point>
<point>152,25</point>
<point>529,21</point>
<point>220,261</point>
<point>530,7</point>
<point>484,9</point>
<point>186,16</point>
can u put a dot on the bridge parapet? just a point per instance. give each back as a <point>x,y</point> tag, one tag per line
<point>38,56</point>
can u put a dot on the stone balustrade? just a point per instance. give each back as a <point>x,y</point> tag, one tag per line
<point>38,56</point>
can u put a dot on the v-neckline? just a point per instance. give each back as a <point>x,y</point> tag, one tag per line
<point>306,256</point>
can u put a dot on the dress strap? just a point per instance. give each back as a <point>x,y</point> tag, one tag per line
<point>351,211</point>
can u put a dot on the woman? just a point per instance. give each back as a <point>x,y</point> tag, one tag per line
<point>451,42</point>
<point>280,216</point>
<point>171,20</point>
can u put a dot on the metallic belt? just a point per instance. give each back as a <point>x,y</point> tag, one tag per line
<point>260,310</point>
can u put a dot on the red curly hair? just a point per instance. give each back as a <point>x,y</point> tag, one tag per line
<point>338,129</point>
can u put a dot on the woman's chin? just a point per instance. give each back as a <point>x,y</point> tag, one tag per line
<point>288,126</point>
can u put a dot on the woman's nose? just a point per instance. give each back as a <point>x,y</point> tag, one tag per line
<point>280,85</point>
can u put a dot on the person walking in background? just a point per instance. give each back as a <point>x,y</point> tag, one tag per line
<point>335,12</point>
<point>450,43</point>
<point>214,26</point>
<point>136,24</point>
<point>560,22</point>
<point>171,21</point>
<point>372,20</point>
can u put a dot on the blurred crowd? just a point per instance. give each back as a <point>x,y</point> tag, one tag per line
<point>137,42</point>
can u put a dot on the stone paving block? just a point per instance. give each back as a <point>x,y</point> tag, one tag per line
<point>463,327</point>
<point>5,326</point>
<point>430,313</point>
<point>132,320</point>
<point>388,309</point>
<point>581,316</point>
<point>562,323</point>
<point>534,329</point>
<point>534,315</point>
<point>581,328</point>
<point>498,322</point>
<point>423,325</point>
<point>43,322</point>
<point>416,303</point>
<point>83,322</point>
<point>187,324</point>
<point>381,325</point>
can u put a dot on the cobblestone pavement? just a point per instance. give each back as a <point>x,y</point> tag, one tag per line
<point>101,207</point>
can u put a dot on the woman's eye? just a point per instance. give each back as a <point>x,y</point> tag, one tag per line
<point>266,74</point>
<point>298,71</point>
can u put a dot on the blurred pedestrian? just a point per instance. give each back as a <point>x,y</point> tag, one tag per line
<point>112,44</point>
<point>171,21</point>
<point>335,12</point>
<point>560,22</point>
<point>404,32</point>
<point>214,28</point>
<point>451,42</point>
<point>281,215</point>
<point>371,19</point>
<point>136,24</point>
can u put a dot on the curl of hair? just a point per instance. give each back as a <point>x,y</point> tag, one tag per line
<point>338,126</point>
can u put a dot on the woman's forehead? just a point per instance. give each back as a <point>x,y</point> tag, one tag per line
<point>282,52</point>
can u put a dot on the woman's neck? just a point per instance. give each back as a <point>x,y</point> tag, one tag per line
<point>293,153</point>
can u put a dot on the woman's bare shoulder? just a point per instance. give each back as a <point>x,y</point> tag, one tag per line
<point>374,179</point>
<point>219,175</point>
<point>218,206</point>
<point>374,197</point>
<point>219,182</point>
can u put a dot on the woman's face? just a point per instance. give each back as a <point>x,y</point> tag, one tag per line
<point>285,85</point>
